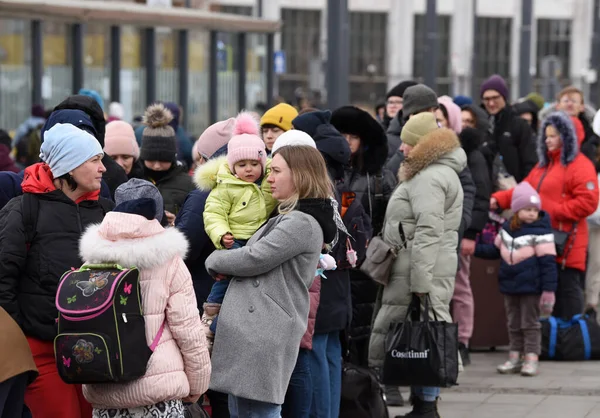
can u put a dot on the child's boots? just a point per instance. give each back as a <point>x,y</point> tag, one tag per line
<point>512,365</point>
<point>211,310</point>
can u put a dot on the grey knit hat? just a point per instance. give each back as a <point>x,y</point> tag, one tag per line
<point>418,99</point>
<point>137,189</point>
<point>158,140</point>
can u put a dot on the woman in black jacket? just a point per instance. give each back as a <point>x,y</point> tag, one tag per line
<point>463,308</point>
<point>39,241</point>
<point>373,185</point>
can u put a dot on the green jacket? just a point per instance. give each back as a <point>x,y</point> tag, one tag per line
<point>234,205</point>
<point>428,203</point>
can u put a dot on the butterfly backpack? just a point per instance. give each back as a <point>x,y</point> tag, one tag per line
<point>101,330</point>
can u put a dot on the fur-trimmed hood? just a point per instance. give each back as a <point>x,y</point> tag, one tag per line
<point>570,146</point>
<point>205,176</point>
<point>131,240</point>
<point>373,140</point>
<point>440,146</point>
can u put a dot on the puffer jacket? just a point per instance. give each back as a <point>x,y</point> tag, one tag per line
<point>30,272</point>
<point>395,156</point>
<point>527,255</point>
<point>233,206</point>
<point>314,293</point>
<point>180,365</point>
<point>428,204</point>
<point>567,183</point>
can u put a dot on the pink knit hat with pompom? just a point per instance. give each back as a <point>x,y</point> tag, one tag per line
<point>245,144</point>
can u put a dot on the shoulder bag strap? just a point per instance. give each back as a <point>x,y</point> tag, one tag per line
<point>158,336</point>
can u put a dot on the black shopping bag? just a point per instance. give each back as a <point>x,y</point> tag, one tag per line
<point>421,353</point>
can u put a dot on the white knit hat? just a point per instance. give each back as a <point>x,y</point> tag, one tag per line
<point>291,138</point>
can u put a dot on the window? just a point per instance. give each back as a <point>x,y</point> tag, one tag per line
<point>367,43</point>
<point>554,38</point>
<point>300,37</point>
<point>493,39</point>
<point>420,58</point>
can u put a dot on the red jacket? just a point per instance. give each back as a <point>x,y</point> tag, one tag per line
<point>568,188</point>
<point>314,293</point>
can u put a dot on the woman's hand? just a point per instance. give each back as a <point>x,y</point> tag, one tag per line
<point>494,203</point>
<point>467,247</point>
<point>227,240</point>
<point>170,218</point>
<point>191,399</point>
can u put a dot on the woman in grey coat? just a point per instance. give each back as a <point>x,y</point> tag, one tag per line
<point>265,310</point>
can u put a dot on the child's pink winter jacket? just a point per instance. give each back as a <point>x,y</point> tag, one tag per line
<point>180,365</point>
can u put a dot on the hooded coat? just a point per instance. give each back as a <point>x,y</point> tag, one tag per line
<point>174,186</point>
<point>180,364</point>
<point>114,175</point>
<point>373,186</point>
<point>233,206</point>
<point>30,272</point>
<point>428,203</point>
<point>395,156</point>
<point>568,187</point>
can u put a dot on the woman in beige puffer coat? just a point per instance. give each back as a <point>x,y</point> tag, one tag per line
<point>428,203</point>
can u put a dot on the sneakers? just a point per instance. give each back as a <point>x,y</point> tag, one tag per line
<point>464,354</point>
<point>421,409</point>
<point>512,365</point>
<point>393,397</point>
<point>211,310</point>
<point>530,366</point>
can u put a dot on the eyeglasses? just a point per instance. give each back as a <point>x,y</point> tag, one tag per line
<point>394,102</point>
<point>491,98</point>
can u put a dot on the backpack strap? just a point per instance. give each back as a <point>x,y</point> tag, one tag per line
<point>158,337</point>
<point>30,206</point>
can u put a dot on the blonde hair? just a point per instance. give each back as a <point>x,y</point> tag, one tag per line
<point>309,174</point>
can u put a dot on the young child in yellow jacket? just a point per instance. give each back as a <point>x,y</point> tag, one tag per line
<point>240,200</point>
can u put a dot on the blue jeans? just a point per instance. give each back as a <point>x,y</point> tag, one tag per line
<point>426,393</point>
<point>248,408</point>
<point>218,290</point>
<point>299,393</point>
<point>326,375</point>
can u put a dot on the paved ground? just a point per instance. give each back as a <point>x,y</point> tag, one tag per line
<point>569,390</point>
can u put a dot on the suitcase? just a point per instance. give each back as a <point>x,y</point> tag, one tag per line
<point>490,329</point>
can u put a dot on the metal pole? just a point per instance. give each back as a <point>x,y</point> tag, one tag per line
<point>259,8</point>
<point>474,75</point>
<point>595,55</point>
<point>431,44</point>
<point>338,54</point>
<point>115,63</point>
<point>213,79</point>
<point>183,55</point>
<point>37,62</point>
<point>270,62</point>
<point>241,52</point>
<point>150,60</point>
<point>525,50</point>
<point>77,48</point>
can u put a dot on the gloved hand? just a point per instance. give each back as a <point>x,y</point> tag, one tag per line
<point>547,302</point>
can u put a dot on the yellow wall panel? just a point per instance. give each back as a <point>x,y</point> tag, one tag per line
<point>94,48</point>
<point>54,50</point>
<point>130,50</point>
<point>14,46</point>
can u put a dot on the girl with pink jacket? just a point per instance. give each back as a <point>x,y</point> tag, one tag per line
<point>179,369</point>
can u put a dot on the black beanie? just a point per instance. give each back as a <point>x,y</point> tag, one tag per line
<point>144,206</point>
<point>158,140</point>
<point>398,90</point>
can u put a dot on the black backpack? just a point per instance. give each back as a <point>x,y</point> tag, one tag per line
<point>101,328</point>
<point>362,395</point>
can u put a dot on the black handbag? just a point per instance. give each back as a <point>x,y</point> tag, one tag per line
<point>362,395</point>
<point>421,353</point>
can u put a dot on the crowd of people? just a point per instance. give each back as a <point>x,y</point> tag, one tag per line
<point>249,240</point>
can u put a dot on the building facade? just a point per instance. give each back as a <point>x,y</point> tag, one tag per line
<point>387,42</point>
